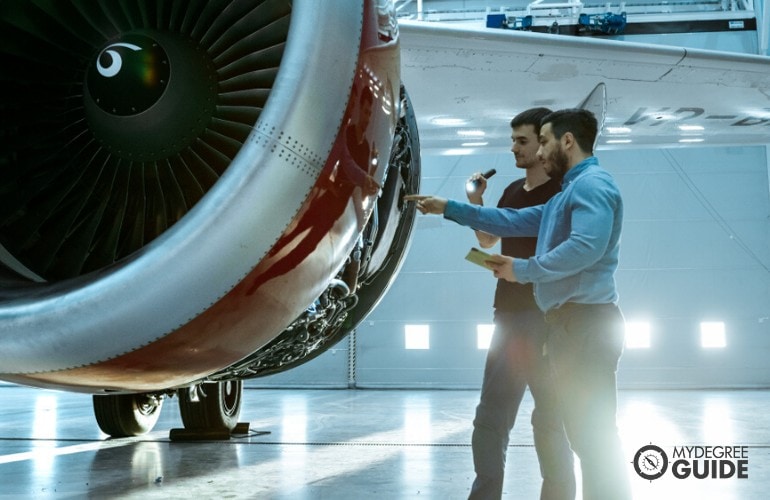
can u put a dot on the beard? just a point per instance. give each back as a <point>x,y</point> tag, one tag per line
<point>558,164</point>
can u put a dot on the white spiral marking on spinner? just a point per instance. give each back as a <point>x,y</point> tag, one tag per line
<point>117,61</point>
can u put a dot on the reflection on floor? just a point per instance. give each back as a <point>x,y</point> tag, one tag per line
<point>359,444</point>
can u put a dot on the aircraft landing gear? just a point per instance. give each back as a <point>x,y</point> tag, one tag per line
<point>123,415</point>
<point>210,410</point>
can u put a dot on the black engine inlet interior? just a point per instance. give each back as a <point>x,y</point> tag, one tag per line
<point>116,117</point>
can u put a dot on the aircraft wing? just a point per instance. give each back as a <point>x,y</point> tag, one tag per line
<point>467,83</point>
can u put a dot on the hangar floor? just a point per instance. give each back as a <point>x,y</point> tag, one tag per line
<point>352,444</point>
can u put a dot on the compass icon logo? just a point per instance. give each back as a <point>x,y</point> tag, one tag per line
<point>650,462</point>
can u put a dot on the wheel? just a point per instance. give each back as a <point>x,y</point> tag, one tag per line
<point>211,405</point>
<point>122,415</point>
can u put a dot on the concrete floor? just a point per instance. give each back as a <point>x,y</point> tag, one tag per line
<point>351,444</point>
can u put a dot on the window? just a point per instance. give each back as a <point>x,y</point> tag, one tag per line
<point>484,335</point>
<point>637,335</point>
<point>417,337</point>
<point>712,334</point>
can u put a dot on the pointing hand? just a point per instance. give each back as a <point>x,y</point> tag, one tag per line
<point>427,204</point>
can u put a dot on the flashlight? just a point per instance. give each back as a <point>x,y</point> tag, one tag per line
<point>473,185</point>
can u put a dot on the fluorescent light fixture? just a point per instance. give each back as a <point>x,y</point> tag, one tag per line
<point>484,335</point>
<point>471,133</point>
<point>457,152</point>
<point>445,121</point>
<point>618,141</point>
<point>712,334</point>
<point>417,336</point>
<point>700,139</point>
<point>690,128</point>
<point>637,335</point>
<point>474,144</point>
<point>618,130</point>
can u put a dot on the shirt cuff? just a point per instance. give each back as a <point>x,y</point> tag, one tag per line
<point>521,270</point>
<point>452,210</point>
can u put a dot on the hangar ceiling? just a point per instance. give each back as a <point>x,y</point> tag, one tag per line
<point>714,15</point>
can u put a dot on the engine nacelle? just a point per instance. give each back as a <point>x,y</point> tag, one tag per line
<point>180,185</point>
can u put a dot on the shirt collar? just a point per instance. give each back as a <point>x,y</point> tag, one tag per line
<point>572,173</point>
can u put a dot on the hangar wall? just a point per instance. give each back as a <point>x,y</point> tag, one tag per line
<point>696,247</point>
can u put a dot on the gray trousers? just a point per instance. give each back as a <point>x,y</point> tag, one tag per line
<point>583,348</point>
<point>514,361</point>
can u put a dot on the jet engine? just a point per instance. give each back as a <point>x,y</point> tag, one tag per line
<point>193,193</point>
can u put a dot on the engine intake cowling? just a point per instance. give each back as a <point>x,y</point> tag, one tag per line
<point>153,167</point>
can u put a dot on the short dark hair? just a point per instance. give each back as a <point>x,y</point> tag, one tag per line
<point>531,116</point>
<point>580,122</point>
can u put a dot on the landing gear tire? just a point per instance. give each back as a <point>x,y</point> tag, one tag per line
<point>123,415</point>
<point>211,405</point>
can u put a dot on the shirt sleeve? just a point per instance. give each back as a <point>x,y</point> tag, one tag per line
<point>503,222</point>
<point>590,218</point>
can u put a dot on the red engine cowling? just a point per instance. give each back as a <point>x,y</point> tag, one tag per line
<point>182,181</point>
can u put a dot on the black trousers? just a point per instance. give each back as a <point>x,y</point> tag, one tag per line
<point>583,348</point>
<point>514,361</point>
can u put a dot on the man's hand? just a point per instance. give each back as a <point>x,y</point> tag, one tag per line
<point>502,267</point>
<point>427,204</point>
<point>477,184</point>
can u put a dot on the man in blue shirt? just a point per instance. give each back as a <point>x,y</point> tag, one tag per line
<point>573,274</point>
